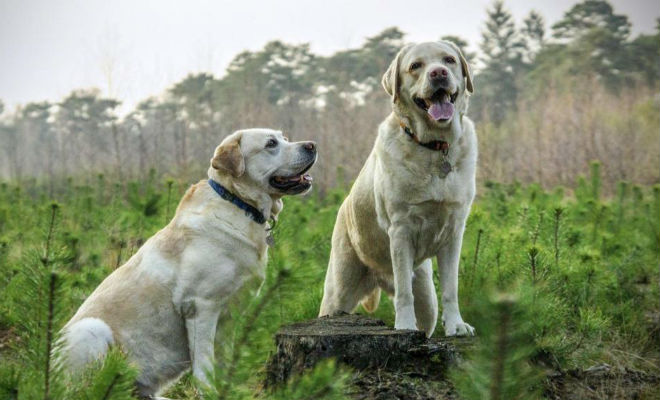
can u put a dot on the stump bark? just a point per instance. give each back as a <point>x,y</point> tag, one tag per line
<point>362,343</point>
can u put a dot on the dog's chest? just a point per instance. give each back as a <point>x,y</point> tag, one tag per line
<point>449,189</point>
<point>430,206</point>
<point>428,188</point>
<point>234,249</point>
<point>430,222</point>
<point>250,254</point>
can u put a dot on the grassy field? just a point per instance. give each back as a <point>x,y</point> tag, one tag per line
<point>553,281</point>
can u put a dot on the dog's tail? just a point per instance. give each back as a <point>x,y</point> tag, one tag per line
<point>370,303</point>
<point>82,342</point>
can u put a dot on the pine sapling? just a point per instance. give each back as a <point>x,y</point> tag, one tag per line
<point>533,254</point>
<point>51,226</point>
<point>110,377</point>
<point>595,181</point>
<point>622,191</point>
<point>49,333</point>
<point>537,230</point>
<point>498,256</point>
<point>51,300</point>
<point>108,392</point>
<point>499,366</point>
<point>37,288</point>
<point>121,244</point>
<point>101,188</point>
<point>475,258</point>
<point>558,212</point>
<point>654,211</point>
<point>504,306</point>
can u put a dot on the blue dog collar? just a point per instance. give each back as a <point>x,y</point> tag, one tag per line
<point>250,211</point>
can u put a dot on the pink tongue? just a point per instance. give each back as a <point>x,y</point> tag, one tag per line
<point>443,110</point>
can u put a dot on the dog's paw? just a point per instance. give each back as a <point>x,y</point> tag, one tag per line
<point>405,320</point>
<point>459,328</point>
<point>402,326</point>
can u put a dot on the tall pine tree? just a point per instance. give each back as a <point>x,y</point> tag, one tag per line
<point>598,41</point>
<point>588,15</point>
<point>501,58</point>
<point>533,35</point>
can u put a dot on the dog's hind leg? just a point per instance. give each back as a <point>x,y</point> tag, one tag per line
<point>348,280</point>
<point>426,300</point>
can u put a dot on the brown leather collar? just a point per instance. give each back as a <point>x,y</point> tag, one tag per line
<point>435,145</point>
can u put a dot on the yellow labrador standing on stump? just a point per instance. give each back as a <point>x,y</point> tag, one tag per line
<point>412,197</point>
<point>162,306</point>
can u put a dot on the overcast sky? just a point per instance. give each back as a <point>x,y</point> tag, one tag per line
<point>135,49</point>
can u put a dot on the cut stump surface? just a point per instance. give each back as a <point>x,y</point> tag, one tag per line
<point>362,343</point>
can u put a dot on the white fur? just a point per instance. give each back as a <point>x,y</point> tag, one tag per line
<point>162,306</point>
<point>86,340</point>
<point>401,211</point>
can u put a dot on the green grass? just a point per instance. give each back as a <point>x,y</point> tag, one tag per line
<point>578,275</point>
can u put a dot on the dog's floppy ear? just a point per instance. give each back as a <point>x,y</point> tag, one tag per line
<point>228,156</point>
<point>465,67</point>
<point>391,80</point>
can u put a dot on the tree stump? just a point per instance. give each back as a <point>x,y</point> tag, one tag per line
<point>362,343</point>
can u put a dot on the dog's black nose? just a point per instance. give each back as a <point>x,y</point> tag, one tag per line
<point>310,147</point>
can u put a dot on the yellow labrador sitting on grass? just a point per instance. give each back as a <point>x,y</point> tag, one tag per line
<point>162,306</point>
<point>412,197</point>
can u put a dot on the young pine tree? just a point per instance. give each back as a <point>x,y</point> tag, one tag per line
<point>499,367</point>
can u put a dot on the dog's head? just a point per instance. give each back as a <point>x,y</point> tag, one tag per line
<point>429,82</point>
<point>264,160</point>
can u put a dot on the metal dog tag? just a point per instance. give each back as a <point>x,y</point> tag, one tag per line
<point>270,241</point>
<point>445,168</point>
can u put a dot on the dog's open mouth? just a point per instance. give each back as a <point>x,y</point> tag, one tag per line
<point>293,183</point>
<point>440,106</point>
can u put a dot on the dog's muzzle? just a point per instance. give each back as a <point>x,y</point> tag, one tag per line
<point>439,106</point>
<point>299,181</point>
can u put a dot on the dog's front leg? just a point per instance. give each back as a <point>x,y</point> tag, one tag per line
<point>402,253</point>
<point>448,259</point>
<point>201,321</point>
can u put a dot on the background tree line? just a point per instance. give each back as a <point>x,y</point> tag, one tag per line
<point>546,103</point>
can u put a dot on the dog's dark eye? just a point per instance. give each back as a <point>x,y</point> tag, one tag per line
<point>415,65</point>
<point>271,143</point>
<point>450,60</point>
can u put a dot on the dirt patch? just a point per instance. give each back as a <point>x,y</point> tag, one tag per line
<point>602,382</point>
<point>386,385</point>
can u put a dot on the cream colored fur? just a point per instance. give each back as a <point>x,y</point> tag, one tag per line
<point>162,306</point>
<point>401,211</point>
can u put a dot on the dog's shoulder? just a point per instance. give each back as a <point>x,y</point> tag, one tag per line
<point>193,196</point>
<point>188,222</point>
<point>467,125</point>
<point>467,146</point>
<point>469,133</point>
